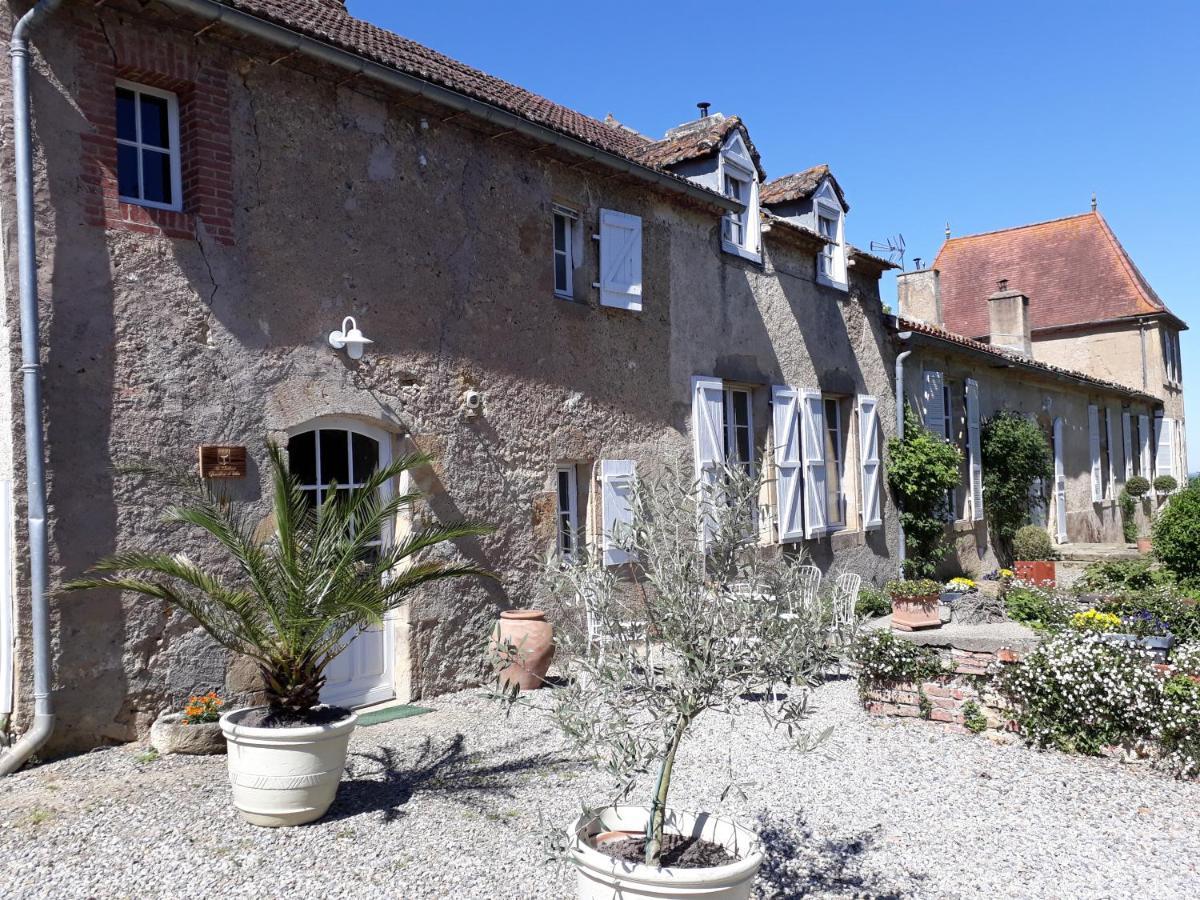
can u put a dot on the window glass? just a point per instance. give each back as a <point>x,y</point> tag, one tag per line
<point>568,516</point>
<point>156,176</point>
<point>126,115</point>
<point>335,457</point>
<point>834,496</point>
<point>735,221</point>
<point>302,457</point>
<point>127,171</point>
<point>563,262</point>
<point>147,158</point>
<point>739,429</point>
<point>155,126</point>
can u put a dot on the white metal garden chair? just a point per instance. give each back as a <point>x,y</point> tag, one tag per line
<point>845,597</point>
<point>632,630</point>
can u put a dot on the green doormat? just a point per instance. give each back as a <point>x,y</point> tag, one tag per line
<point>392,712</point>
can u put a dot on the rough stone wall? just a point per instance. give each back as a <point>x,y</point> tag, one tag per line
<point>437,238</point>
<point>1045,399</point>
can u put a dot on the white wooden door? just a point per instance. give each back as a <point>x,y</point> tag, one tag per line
<point>1060,485</point>
<point>346,454</point>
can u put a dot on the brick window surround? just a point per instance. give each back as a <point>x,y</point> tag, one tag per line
<point>204,132</point>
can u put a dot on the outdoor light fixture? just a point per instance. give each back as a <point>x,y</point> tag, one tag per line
<point>349,338</point>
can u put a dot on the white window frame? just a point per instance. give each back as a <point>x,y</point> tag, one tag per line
<point>735,164</point>
<point>567,520</point>
<point>731,427</point>
<point>173,151</point>
<point>570,227</point>
<point>832,524</point>
<point>831,261</point>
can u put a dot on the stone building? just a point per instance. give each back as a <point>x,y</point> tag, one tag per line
<point>1053,320</point>
<point>554,302</point>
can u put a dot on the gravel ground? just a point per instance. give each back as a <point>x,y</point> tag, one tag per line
<point>452,804</point>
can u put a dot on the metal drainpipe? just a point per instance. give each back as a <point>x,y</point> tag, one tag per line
<point>900,358</point>
<point>43,716</point>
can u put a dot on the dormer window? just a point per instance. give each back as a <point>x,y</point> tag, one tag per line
<point>828,227</point>
<point>739,182</point>
<point>830,223</point>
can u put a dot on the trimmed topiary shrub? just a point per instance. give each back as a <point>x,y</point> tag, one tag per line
<point>1137,486</point>
<point>1032,543</point>
<point>1015,454</point>
<point>1176,533</point>
<point>1165,484</point>
<point>922,467</point>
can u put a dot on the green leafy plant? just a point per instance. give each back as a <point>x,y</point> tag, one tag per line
<point>882,658</point>
<point>1015,454</point>
<point>1037,608</point>
<point>1137,486</point>
<point>915,589</point>
<point>922,467</point>
<point>973,717</point>
<point>1077,693</point>
<point>1176,533</point>
<point>871,604</point>
<point>1031,543</point>
<point>1179,725</point>
<point>297,596</point>
<point>1115,576</point>
<point>1165,484</point>
<point>715,610</point>
<point>1165,604</point>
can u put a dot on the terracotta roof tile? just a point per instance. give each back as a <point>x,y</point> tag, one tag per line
<point>943,334</point>
<point>702,139</point>
<point>328,21</point>
<point>1073,270</point>
<point>800,186</point>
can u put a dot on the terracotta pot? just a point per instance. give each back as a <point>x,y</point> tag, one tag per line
<point>1038,572</point>
<point>911,613</point>
<point>1144,545</point>
<point>527,639</point>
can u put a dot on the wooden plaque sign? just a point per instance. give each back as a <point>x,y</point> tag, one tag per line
<point>222,462</point>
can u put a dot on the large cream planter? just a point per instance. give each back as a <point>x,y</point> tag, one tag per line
<point>285,776</point>
<point>603,878</point>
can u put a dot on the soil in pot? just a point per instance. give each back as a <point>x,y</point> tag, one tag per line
<point>266,717</point>
<point>678,852</point>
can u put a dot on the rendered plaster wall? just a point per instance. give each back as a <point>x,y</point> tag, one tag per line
<point>437,238</point>
<point>1043,399</point>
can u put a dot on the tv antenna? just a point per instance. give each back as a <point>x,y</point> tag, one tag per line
<point>893,248</point>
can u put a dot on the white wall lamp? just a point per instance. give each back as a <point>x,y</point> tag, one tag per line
<point>349,338</point>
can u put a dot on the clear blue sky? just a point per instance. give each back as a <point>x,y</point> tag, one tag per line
<point>985,115</point>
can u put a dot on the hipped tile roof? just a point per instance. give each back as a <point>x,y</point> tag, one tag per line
<point>1074,271</point>
<point>800,186</point>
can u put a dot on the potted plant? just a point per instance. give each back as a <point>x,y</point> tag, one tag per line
<point>914,604</point>
<point>727,623</point>
<point>292,606</point>
<point>956,589</point>
<point>1152,633</point>
<point>1034,556</point>
<point>1137,487</point>
<point>194,730</point>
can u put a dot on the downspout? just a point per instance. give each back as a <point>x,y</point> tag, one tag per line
<point>43,716</point>
<point>900,358</point>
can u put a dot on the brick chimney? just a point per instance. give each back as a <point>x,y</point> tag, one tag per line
<point>919,296</point>
<point>1008,320</point>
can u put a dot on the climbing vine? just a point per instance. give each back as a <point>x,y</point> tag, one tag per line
<point>1015,454</point>
<point>922,467</point>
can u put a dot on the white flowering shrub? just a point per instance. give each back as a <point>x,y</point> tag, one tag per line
<point>1179,725</point>
<point>1186,658</point>
<point>1079,694</point>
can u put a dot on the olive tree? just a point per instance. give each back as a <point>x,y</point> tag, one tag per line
<point>693,626</point>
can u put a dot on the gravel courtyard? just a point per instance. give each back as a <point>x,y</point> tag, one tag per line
<point>453,804</point>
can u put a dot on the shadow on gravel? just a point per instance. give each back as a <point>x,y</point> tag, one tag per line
<point>386,779</point>
<point>796,864</point>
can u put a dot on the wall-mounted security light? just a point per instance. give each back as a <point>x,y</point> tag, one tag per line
<point>349,338</point>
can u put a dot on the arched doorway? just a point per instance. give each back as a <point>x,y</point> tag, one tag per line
<point>345,453</point>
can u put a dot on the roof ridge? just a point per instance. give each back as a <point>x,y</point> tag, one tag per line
<point>964,237</point>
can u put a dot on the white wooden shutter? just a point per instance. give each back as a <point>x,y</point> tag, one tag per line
<point>1127,443</point>
<point>1060,484</point>
<point>708,445</point>
<point>868,429</point>
<point>812,411</point>
<point>974,449</point>
<point>933,403</point>
<point>1111,474</point>
<point>620,260</point>
<point>1164,463</point>
<point>789,461</point>
<point>1146,451</point>
<point>1094,445</point>
<point>616,507</point>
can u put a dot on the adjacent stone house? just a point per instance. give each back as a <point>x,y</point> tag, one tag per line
<point>1068,332</point>
<point>555,302</point>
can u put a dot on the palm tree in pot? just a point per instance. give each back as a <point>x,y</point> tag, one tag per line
<point>294,602</point>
